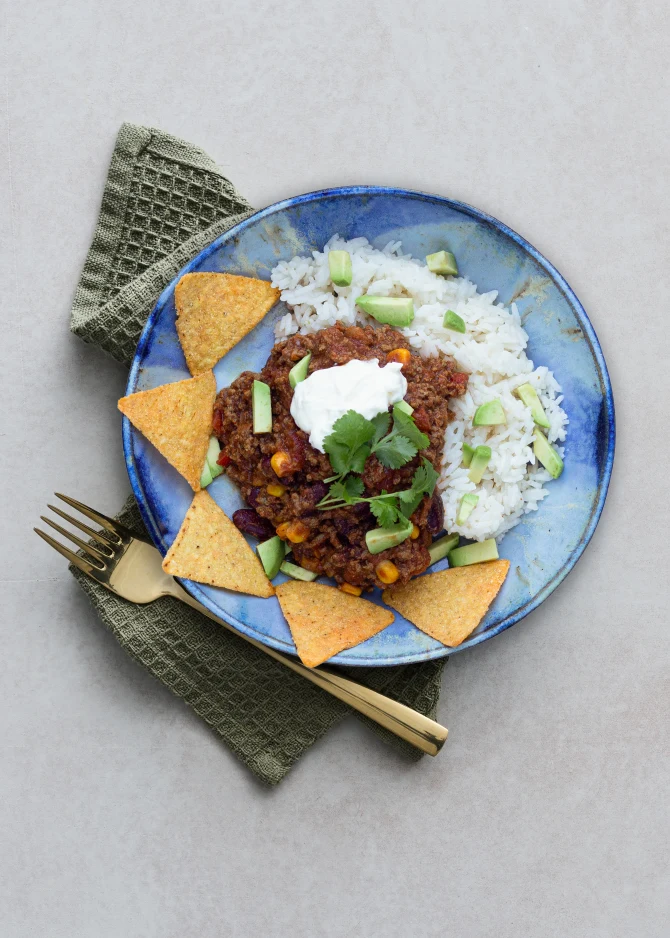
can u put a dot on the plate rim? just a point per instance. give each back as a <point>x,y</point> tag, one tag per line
<point>589,333</point>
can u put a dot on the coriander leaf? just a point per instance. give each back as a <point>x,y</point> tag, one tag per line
<point>338,491</point>
<point>411,502</point>
<point>347,445</point>
<point>381,424</point>
<point>394,451</point>
<point>338,454</point>
<point>423,483</point>
<point>354,486</point>
<point>384,511</point>
<point>425,477</point>
<point>358,458</point>
<point>404,423</point>
<point>353,429</point>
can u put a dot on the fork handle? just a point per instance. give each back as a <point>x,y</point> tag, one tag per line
<point>415,728</point>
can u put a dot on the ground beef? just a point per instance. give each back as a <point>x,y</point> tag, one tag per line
<point>336,543</point>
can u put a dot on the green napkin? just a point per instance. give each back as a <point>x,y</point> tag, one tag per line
<point>164,200</point>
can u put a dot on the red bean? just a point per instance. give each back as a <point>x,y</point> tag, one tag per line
<point>250,522</point>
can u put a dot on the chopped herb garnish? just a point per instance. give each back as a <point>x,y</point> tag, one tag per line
<point>353,440</point>
<point>389,507</point>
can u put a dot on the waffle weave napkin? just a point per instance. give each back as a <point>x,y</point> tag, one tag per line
<point>165,200</point>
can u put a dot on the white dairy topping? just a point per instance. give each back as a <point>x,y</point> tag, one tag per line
<point>326,395</point>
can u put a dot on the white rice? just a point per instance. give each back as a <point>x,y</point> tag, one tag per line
<point>492,351</point>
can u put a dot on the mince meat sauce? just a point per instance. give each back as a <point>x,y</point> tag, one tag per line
<point>335,540</point>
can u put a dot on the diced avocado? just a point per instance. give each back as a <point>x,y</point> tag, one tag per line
<point>466,507</point>
<point>547,455</point>
<point>339,263</point>
<point>480,461</point>
<point>404,407</point>
<point>299,371</point>
<point>453,321</point>
<point>489,414</point>
<point>395,311</point>
<point>442,262</point>
<point>272,553</point>
<point>528,395</point>
<point>211,469</point>
<point>298,573</point>
<point>381,539</point>
<point>440,549</point>
<point>213,452</point>
<point>205,476</point>
<point>474,553</point>
<point>261,404</point>
<point>468,453</point>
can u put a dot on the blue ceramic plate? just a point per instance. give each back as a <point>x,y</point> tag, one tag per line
<point>545,546</point>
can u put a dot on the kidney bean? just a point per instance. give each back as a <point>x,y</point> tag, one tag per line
<point>252,497</point>
<point>435,520</point>
<point>318,491</point>
<point>248,521</point>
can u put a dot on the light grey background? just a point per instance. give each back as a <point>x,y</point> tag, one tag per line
<point>120,814</point>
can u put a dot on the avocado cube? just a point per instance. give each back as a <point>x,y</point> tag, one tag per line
<point>404,407</point>
<point>339,264</point>
<point>546,454</point>
<point>380,539</point>
<point>299,371</point>
<point>298,573</point>
<point>528,395</point>
<point>272,553</point>
<point>468,453</point>
<point>489,414</point>
<point>395,311</point>
<point>453,321</point>
<point>261,405</point>
<point>467,506</point>
<point>474,553</point>
<point>205,476</point>
<point>443,263</point>
<point>213,453</point>
<point>440,549</point>
<point>480,461</point>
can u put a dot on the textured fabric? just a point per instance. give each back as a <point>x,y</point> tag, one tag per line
<point>165,200</point>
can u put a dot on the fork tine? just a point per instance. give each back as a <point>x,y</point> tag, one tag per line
<point>79,562</point>
<point>96,535</point>
<point>87,548</point>
<point>107,523</point>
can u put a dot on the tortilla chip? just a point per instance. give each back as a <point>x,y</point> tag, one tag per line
<point>177,419</point>
<point>209,549</point>
<point>215,311</point>
<point>324,620</point>
<point>450,604</point>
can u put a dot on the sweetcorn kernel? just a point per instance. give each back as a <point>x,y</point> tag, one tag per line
<point>387,572</point>
<point>297,532</point>
<point>401,355</point>
<point>351,589</point>
<point>281,463</point>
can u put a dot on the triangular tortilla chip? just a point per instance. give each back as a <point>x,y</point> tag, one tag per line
<point>324,620</point>
<point>215,311</point>
<point>209,549</point>
<point>450,604</point>
<point>177,419</point>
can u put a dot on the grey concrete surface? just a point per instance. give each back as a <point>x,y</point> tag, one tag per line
<point>546,814</point>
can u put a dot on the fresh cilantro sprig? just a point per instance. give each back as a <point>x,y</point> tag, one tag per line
<point>354,439</point>
<point>350,444</point>
<point>389,508</point>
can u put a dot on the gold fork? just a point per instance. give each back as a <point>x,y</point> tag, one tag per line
<point>131,567</point>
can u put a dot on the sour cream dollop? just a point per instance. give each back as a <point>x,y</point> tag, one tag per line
<point>325,395</point>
